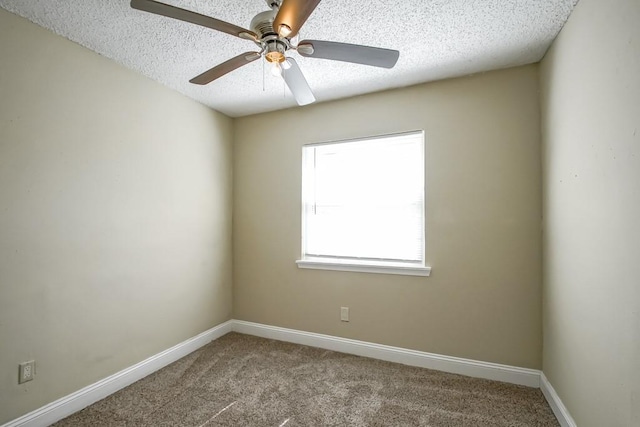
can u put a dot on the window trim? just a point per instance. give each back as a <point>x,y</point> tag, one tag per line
<point>419,268</point>
<point>365,266</point>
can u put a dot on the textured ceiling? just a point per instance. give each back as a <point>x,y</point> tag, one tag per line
<point>436,38</point>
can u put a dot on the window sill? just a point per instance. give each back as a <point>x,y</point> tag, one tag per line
<point>364,267</point>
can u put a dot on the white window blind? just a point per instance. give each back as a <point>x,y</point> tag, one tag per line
<point>364,199</point>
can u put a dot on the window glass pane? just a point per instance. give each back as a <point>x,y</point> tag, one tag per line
<point>365,199</point>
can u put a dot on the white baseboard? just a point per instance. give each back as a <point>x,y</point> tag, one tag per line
<point>456,365</point>
<point>560,411</point>
<point>74,402</point>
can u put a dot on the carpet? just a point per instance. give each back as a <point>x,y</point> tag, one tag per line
<point>241,380</point>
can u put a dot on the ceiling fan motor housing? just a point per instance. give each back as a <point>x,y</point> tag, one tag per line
<point>262,23</point>
<point>274,45</point>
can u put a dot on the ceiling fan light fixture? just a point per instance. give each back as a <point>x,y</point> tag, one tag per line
<point>285,64</point>
<point>275,57</point>
<point>275,51</point>
<point>276,71</point>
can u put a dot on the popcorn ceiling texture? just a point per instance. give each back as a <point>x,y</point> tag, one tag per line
<point>436,38</point>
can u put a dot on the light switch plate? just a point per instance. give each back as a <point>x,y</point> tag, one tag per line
<point>344,314</point>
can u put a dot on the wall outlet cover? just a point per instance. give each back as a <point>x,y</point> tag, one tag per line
<point>26,371</point>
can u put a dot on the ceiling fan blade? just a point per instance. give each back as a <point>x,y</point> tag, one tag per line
<point>224,68</point>
<point>297,84</point>
<point>293,14</point>
<point>375,56</point>
<point>192,17</point>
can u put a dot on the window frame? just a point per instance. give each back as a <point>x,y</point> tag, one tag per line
<point>411,268</point>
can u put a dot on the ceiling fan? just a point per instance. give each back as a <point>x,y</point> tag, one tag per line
<point>272,31</point>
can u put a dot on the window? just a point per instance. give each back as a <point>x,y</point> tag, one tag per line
<point>363,205</point>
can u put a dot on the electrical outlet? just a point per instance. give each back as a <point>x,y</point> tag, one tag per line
<point>344,314</point>
<point>26,371</point>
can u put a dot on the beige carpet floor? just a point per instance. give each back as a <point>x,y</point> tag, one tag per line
<point>240,380</point>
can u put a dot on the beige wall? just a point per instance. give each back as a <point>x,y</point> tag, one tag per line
<point>115,216</point>
<point>483,299</point>
<point>591,134</point>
